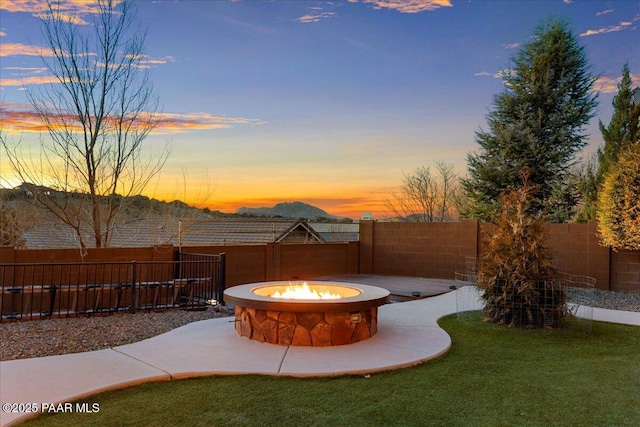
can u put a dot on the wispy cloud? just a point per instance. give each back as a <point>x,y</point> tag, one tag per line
<point>407,6</point>
<point>511,45</point>
<point>145,61</point>
<point>26,81</point>
<point>69,10</point>
<point>34,70</point>
<point>604,84</point>
<point>16,118</point>
<point>624,25</point>
<point>315,17</point>
<point>607,84</point>
<point>178,123</point>
<point>246,26</point>
<point>148,62</point>
<point>66,7</point>
<point>604,12</point>
<point>19,49</point>
<point>496,75</point>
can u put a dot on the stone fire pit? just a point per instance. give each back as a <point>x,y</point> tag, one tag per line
<point>351,315</point>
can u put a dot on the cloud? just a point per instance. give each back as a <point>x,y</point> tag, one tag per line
<point>70,10</point>
<point>145,61</point>
<point>148,62</point>
<point>624,25</point>
<point>67,10</point>
<point>604,12</point>
<point>497,75</point>
<point>19,49</point>
<point>16,118</point>
<point>34,70</point>
<point>606,84</point>
<point>407,6</point>
<point>35,80</point>
<point>178,123</point>
<point>315,17</point>
<point>511,46</point>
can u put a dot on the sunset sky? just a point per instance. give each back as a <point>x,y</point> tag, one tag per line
<point>328,103</point>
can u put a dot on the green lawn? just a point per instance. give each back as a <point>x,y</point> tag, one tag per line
<point>490,377</point>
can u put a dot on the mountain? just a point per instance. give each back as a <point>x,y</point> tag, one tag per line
<point>132,207</point>
<point>288,210</point>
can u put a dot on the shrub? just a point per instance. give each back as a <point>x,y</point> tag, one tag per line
<point>619,202</point>
<point>519,282</point>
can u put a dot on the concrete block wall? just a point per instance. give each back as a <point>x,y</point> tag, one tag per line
<point>317,259</point>
<point>416,249</point>
<point>284,261</point>
<point>625,270</point>
<point>245,263</point>
<point>437,250</point>
<point>576,250</point>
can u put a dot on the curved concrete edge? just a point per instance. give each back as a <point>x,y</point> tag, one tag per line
<point>408,335</point>
<point>631,318</point>
<point>67,378</point>
<point>370,356</point>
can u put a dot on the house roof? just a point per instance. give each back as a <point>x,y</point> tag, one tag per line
<point>337,232</point>
<point>149,232</point>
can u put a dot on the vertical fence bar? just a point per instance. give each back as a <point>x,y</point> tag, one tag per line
<point>133,287</point>
<point>221,278</point>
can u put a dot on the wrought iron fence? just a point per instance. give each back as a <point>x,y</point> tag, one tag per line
<point>46,290</point>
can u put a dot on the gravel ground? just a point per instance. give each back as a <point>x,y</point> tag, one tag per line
<point>613,300</point>
<point>37,338</point>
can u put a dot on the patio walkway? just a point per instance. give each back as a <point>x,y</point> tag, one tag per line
<point>402,288</point>
<point>408,334</point>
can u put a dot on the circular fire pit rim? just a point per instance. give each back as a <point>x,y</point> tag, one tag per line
<point>369,296</point>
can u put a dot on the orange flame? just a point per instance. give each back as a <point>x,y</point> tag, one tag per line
<point>304,291</point>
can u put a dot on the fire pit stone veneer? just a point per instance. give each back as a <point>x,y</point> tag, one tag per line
<point>307,322</point>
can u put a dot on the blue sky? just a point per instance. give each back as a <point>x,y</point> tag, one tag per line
<point>325,102</point>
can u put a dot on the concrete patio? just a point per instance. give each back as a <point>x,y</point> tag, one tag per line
<point>408,334</point>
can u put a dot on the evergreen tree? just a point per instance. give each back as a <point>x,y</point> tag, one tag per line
<point>623,130</point>
<point>537,123</point>
<point>620,134</point>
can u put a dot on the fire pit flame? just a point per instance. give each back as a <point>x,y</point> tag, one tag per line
<point>304,291</point>
<point>268,312</point>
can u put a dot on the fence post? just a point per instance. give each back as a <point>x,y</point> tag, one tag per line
<point>133,287</point>
<point>221,278</point>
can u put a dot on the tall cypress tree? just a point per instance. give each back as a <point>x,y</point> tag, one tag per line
<point>537,122</point>
<point>622,132</point>
<point>624,128</point>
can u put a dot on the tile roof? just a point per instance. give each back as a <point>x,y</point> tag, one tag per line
<point>149,232</point>
<point>337,232</point>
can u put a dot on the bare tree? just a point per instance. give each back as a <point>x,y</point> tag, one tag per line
<point>425,196</point>
<point>11,226</point>
<point>96,115</point>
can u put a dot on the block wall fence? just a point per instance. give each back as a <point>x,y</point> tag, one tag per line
<point>430,250</point>
<point>438,250</point>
